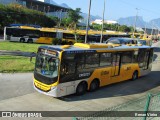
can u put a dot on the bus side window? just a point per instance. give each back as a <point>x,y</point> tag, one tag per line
<point>141,55</point>
<point>135,57</point>
<point>127,57</point>
<point>105,59</point>
<point>79,59</point>
<point>92,60</point>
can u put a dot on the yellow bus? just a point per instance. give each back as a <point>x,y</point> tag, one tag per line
<point>147,39</point>
<point>69,69</point>
<point>46,35</point>
<point>37,35</point>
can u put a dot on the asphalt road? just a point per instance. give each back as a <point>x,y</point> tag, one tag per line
<point>17,93</point>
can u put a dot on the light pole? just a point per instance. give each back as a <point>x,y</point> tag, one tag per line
<point>60,17</point>
<point>102,23</point>
<point>88,21</point>
<point>37,7</point>
<point>135,22</point>
<point>152,29</point>
<point>48,9</point>
<point>44,10</point>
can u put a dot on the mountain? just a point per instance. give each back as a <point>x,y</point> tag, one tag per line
<point>52,2</point>
<point>155,23</point>
<point>84,15</point>
<point>130,21</point>
<point>92,17</point>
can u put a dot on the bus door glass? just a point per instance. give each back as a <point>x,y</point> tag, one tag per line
<point>146,60</point>
<point>116,62</point>
<point>59,35</point>
<point>143,58</point>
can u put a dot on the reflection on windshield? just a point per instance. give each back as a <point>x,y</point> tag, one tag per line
<point>142,42</point>
<point>46,65</point>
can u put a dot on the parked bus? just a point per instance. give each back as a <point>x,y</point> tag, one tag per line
<point>46,35</point>
<point>69,69</point>
<point>37,35</point>
<point>21,34</point>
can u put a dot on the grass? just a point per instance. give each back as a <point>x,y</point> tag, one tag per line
<point>15,64</point>
<point>15,46</point>
<point>10,63</point>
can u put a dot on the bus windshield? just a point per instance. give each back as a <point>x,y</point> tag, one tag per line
<point>47,65</point>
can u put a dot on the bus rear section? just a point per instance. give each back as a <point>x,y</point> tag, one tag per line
<point>17,34</point>
<point>81,69</point>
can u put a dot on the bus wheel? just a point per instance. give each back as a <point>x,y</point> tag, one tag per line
<point>30,41</point>
<point>22,40</point>
<point>135,75</point>
<point>94,85</point>
<point>81,88</point>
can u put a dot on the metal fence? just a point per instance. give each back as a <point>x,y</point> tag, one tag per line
<point>144,108</point>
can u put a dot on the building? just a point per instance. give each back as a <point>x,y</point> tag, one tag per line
<point>46,6</point>
<point>150,31</point>
<point>99,21</point>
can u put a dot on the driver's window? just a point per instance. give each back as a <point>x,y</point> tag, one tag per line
<point>68,64</point>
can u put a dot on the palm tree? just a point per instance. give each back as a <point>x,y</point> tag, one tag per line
<point>75,16</point>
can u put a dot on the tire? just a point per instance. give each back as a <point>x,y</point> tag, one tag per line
<point>94,85</point>
<point>135,75</point>
<point>81,88</point>
<point>30,41</point>
<point>22,40</point>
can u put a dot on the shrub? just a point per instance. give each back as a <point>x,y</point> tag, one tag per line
<point>55,41</point>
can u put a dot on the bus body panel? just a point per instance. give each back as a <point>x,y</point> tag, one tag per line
<point>60,89</point>
<point>46,40</point>
<point>106,77</point>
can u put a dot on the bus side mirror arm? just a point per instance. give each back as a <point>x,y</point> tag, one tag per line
<point>31,60</point>
<point>32,55</point>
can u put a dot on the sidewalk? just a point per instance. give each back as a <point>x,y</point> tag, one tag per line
<point>1,40</point>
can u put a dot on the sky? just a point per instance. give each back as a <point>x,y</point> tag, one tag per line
<point>115,9</point>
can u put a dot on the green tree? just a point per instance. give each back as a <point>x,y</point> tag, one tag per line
<point>15,13</point>
<point>124,28</point>
<point>74,17</point>
<point>96,26</point>
<point>66,22</point>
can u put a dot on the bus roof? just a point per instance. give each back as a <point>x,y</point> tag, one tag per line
<point>95,47</point>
